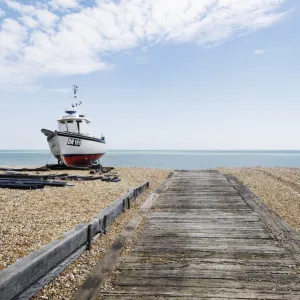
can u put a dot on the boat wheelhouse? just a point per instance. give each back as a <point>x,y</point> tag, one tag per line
<point>72,143</point>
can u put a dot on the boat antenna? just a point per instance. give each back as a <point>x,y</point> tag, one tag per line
<point>75,90</point>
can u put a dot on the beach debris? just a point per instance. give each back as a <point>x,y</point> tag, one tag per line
<point>27,184</point>
<point>101,170</point>
<point>17,180</point>
<point>38,169</point>
<point>94,169</point>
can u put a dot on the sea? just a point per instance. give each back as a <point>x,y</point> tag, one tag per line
<point>166,159</point>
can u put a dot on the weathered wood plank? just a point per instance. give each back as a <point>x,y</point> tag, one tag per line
<point>221,248</point>
<point>128,296</point>
<point>200,193</point>
<point>224,206</point>
<point>208,274</point>
<point>205,293</point>
<point>170,240</point>
<point>203,218</point>
<point>20,275</point>
<point>261,261</point>
<point>202,240</point>
<point>212,234</point>
<point>208,255</point>
<point>201,199</point>
<point>93,283</point>
<point>201,226</point>
<point>196,266</point>
<point>207,212</point>
<point>198,221</point>
<point>208,283</point>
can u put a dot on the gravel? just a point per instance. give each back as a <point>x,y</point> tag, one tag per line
<point>30,219</point>
<point>278,187</point>
<point>67,283</point>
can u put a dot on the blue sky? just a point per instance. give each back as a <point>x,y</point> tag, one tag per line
<point>153,74</point>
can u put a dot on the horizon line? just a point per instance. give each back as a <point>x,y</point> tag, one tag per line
<point>166,150</point>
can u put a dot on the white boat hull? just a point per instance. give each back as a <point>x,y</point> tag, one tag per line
<point>76,150</point>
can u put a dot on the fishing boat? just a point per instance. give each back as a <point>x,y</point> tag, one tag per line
<point>72,143</point>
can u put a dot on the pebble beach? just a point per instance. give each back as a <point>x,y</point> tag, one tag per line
<point>30,219</point>
<point>279,188</point>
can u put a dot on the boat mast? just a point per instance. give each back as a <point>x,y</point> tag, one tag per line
<point>75,90</point>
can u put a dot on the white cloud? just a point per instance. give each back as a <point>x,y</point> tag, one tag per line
<point>260,51</point>
<point>29,22</point>
<point>23,9</point>
<point>43,16</point>
<point>64,4</point>
<point>46,18</point>
<point>45,40</point>
<point>2,13</point>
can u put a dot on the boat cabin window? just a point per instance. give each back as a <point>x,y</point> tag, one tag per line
<point>75,126</point>
<point>62,126</point>
<point>84,127</point>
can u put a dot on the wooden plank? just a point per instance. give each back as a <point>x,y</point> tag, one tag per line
<point>204,189</point>
<point>203,205</point>
<point>208,283</point>
<point>199,266</point>
<point>221,248</point>
<point>201,201</point>
<point>203,240</point>
<point>252,261</point>
<point>187,273</point>
<point>212,292</point>
<point>164,184</point>
<point>202,217</point>
<point>128,296</point>
<point>199,198</point>
<point>190,233</point>
<point>20,275</point>
<point>200,193</point>
<point>240,211</point>
<point>92,284</point>
<point>198,221</point>
<point>212,234</point>
<point>207,212</point>
<point>213,214</point>
<point>208,255</point>
<point>201,226</point>
<point>186,240</point>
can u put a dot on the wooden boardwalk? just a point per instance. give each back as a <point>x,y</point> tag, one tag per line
<point>202,240</point>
